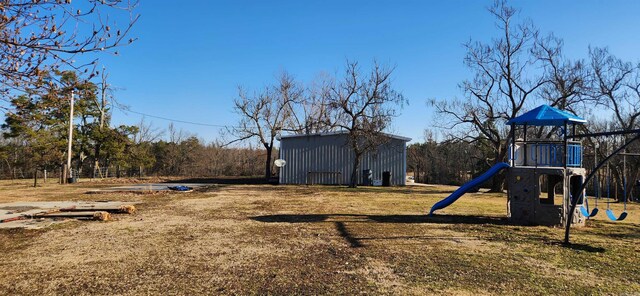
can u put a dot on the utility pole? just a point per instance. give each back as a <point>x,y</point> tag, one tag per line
<point>70,174</point>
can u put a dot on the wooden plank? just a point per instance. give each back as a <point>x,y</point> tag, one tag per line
<point>25,215</point>
<point>102,216</point>
<point>125,209</point>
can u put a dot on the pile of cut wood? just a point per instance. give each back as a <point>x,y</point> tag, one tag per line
<point>84,211</point>
<point>88,212</point>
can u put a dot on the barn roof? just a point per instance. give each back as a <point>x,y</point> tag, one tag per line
<point>546,115</point>
<point>338,133</point>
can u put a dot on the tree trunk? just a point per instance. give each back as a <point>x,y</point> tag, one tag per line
<point>10,168</point>
<point>64,171</point>
<point>497,182</point>
<point>267,168</point>
<point>103,106</point>
<point>96,166</point>
<point>354,173</point>
<point>35,178</point>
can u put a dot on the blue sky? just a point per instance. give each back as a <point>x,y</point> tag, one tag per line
<point>190,58</point>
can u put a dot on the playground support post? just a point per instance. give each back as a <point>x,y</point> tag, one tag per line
<point>574,200</point>
<point>565,144</point>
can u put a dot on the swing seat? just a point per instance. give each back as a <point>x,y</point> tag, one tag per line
<point>613,217</point>
<point>585,212</point>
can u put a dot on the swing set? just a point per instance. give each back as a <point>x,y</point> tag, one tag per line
<point>584,209</point>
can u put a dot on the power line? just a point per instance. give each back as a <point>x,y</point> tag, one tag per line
<point>170,119</point>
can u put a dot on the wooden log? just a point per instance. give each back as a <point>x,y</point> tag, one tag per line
<point>25,216</point>
<point>100,216</point>
<point>12,219</point>
<point>123,209</point>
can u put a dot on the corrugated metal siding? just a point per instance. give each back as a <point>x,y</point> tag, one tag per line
<point>326,155</point>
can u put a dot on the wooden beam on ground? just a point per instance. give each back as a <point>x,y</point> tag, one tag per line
<point>100,215</point>
<point>121,209</point>
<point>28,215</point>
<point>12,219</point>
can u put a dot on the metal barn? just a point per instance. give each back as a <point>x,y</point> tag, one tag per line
<point>327,158</point>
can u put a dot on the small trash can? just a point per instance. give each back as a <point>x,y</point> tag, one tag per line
<point>72,180</point>
<point>367,179</point>
<point>386,178</point>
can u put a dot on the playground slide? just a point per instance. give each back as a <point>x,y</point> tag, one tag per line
<point>468,186</point>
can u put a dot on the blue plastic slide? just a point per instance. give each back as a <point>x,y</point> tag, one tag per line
<point>468,186</point>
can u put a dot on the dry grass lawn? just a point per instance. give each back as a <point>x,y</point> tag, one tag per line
<point>262,239</point>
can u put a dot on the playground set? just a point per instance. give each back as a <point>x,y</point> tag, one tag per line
<point>545,178</point>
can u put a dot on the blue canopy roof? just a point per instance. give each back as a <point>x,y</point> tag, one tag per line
<point>546,115</point>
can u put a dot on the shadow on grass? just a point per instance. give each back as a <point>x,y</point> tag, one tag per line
<point>340,220</point>
<point>581,247</point>
<point>615,230</point>
<point>344,233</point>
<point>437,219</point>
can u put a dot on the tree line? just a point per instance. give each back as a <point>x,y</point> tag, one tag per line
<point>36,129</point>
<point>35,141</point>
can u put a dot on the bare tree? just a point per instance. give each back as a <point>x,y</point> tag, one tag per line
<point>102,107</point>
<point>568,80</point>
<point>417,159</point>
<point>312,114</point>
<point>146,132</point>
<point>616,85</point>
<point>263,116</point>
<point>38,36</point>
<point>364,105</point>
<point>178,135</point>
<point>503,83</point>
<point>567,86</point>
